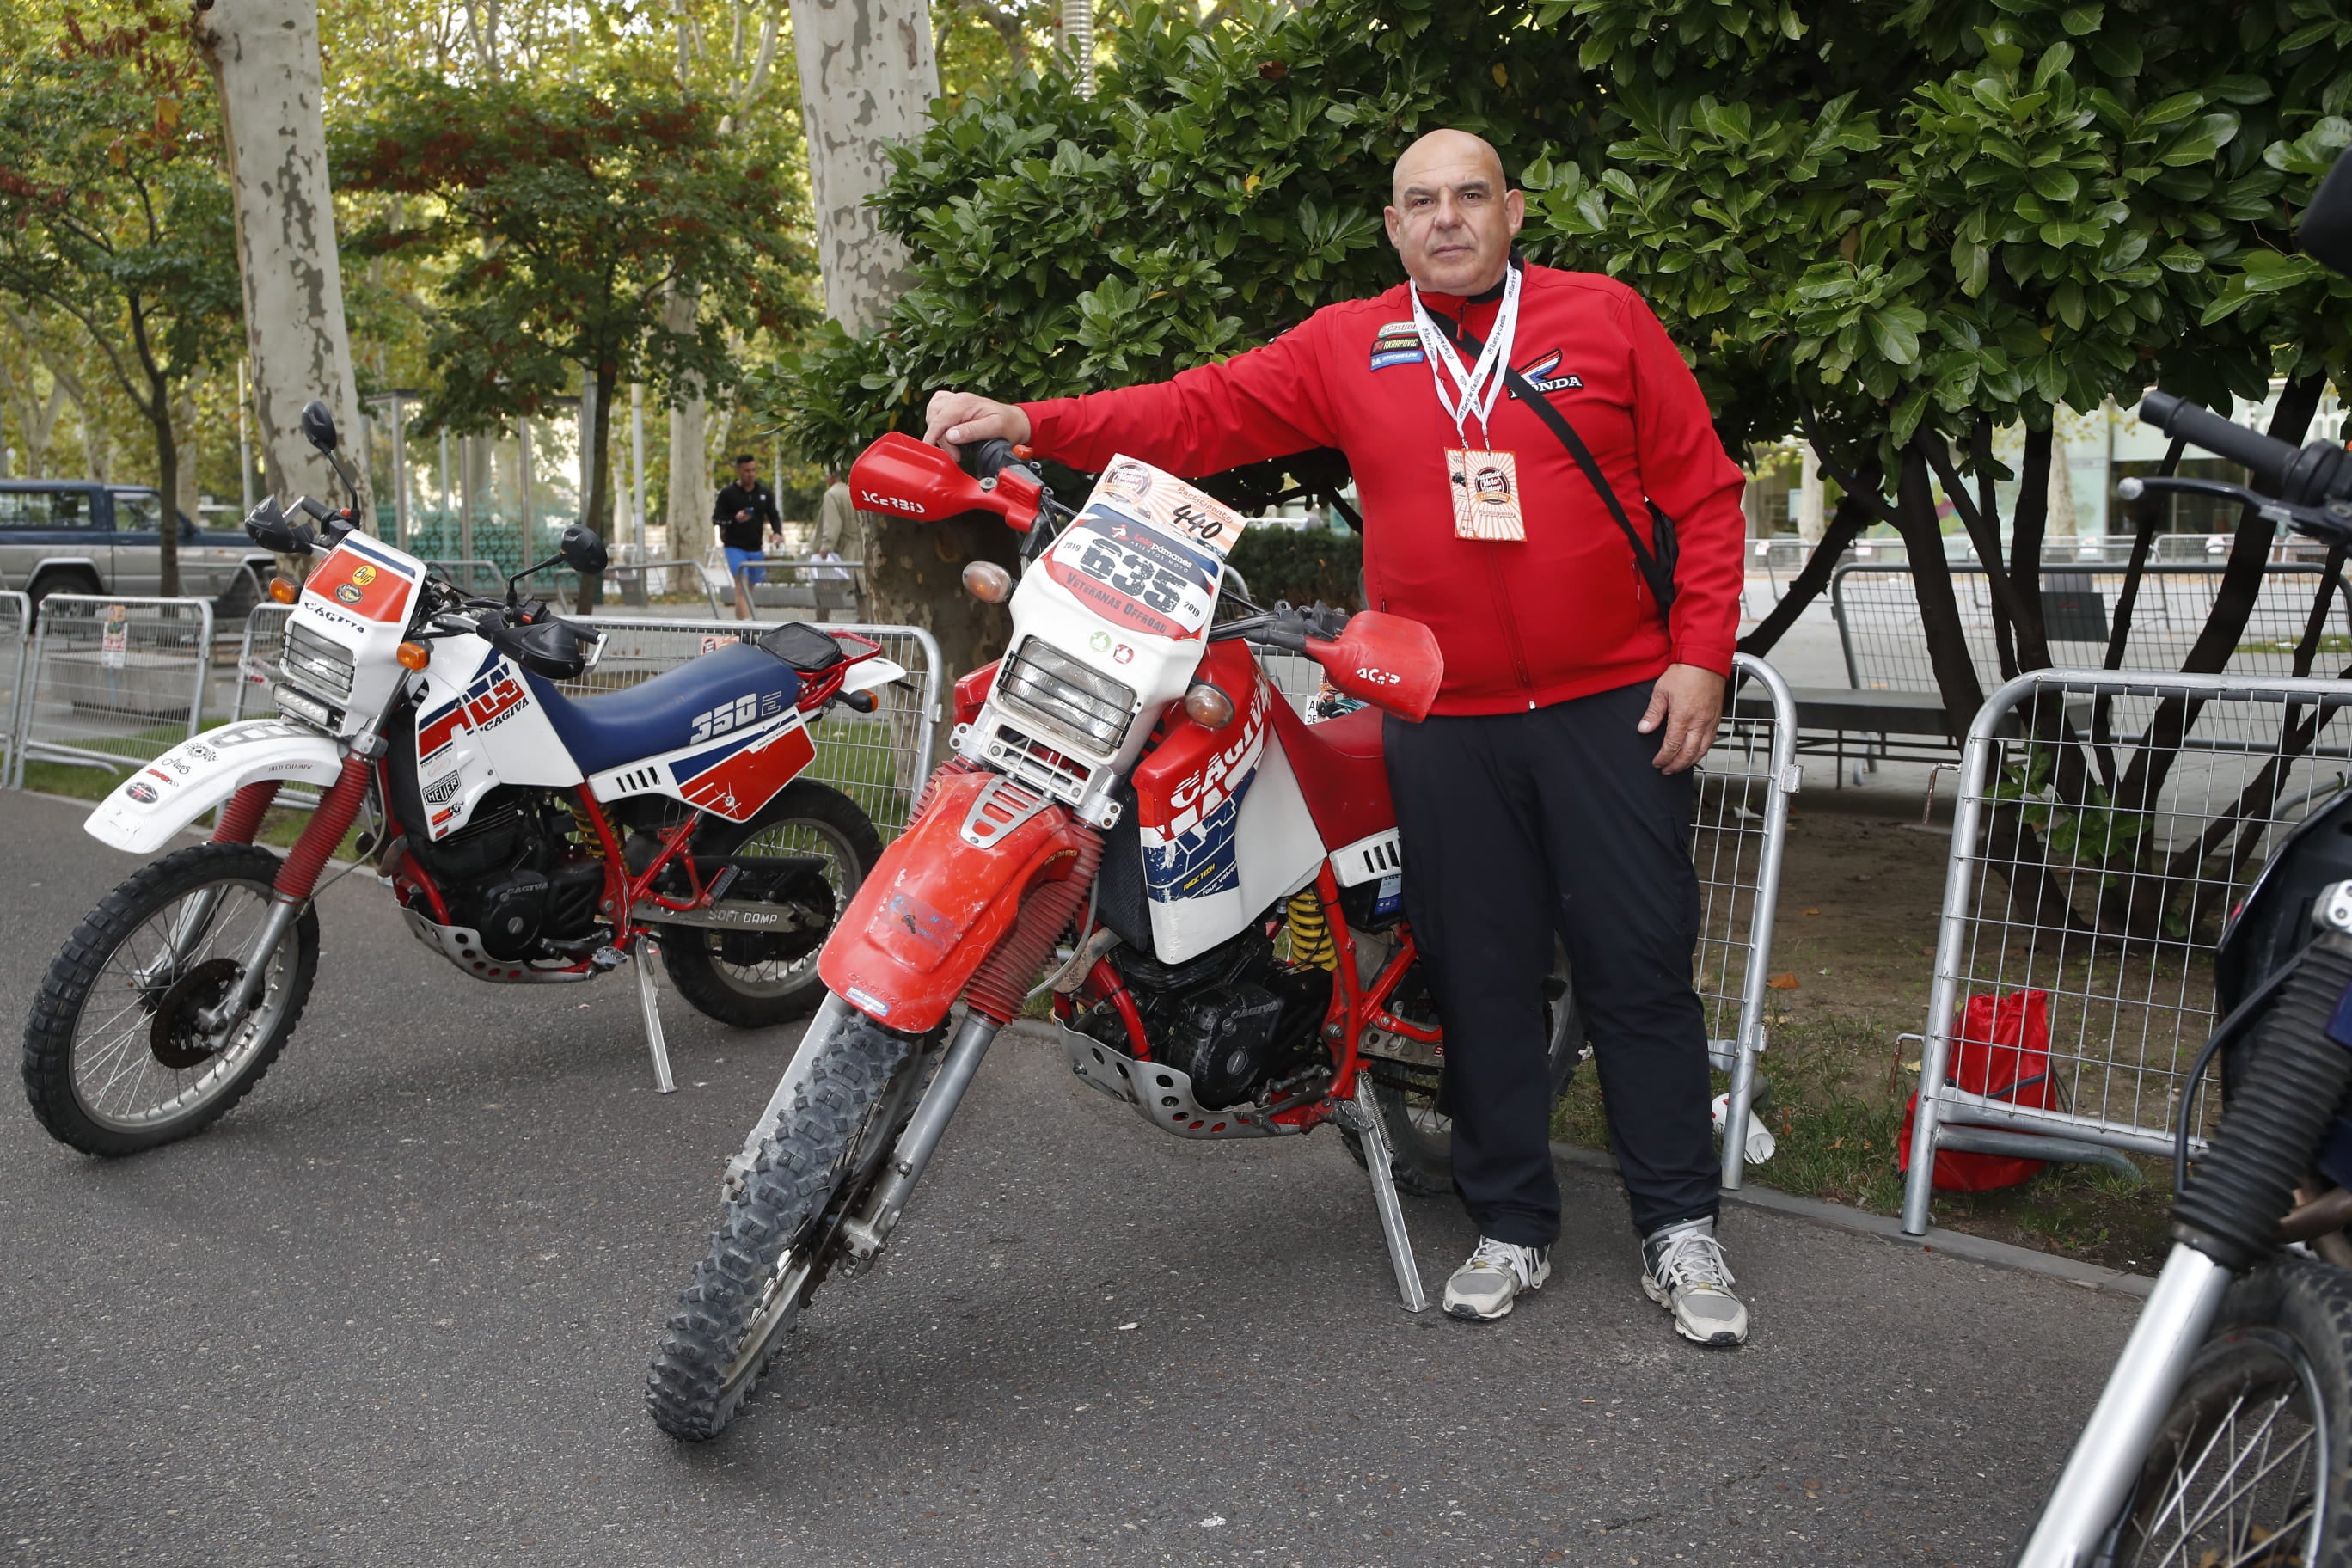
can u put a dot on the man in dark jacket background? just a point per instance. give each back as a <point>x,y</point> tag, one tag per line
<point>1532,801</point>
<point>745,514</point>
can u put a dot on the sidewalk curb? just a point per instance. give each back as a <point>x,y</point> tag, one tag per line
<point>1950,1243</point>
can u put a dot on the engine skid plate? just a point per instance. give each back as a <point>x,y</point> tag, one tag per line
<point>1163,1094</point>
<point>463,947</point>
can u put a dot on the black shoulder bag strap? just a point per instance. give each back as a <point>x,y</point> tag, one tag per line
<point>1656,566</point>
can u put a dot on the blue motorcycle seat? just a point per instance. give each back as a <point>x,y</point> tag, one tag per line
<point>659,716</point>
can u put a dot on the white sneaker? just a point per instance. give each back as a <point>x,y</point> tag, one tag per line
<point>1683,1272</point>
<point>1482,1288</point>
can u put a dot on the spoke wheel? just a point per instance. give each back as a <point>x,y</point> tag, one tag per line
<point>2249,1469</point>
<point>119,1057</point>
<point>751,979</point>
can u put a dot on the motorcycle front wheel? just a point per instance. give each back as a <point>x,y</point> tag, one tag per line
<point>775,1239</point>
<point>750,979</point>
<point>117,1058</point>
<point>2250,1465</point>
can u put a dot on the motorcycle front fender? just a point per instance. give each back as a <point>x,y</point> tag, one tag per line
<point>937,904</point>
<point>192,778</point>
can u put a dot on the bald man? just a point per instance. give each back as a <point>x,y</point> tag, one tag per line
<point>1547,792</point>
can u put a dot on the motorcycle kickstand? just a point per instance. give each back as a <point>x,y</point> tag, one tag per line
<point>649,1005</point>
<point>1359,1116</point>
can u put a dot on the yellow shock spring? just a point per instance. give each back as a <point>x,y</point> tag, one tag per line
<point>1311,932</point>
<point>588,835</point>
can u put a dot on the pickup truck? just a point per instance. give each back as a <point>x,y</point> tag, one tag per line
<point>74,536</point>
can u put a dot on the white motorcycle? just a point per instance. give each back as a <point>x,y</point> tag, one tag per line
<point>531,836</point>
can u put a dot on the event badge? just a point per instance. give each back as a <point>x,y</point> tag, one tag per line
<point>1486,489</point>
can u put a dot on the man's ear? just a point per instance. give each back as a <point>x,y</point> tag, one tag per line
<point>1514,207</point>
<point>1394,221</point>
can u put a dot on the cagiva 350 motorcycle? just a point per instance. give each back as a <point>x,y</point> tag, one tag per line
<point>2224,1439</point>
<point>531,836</point>
<point>1226,874</point>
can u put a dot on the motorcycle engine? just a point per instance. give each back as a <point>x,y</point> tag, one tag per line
<point>510,874</point>
<point>1233,1019</point>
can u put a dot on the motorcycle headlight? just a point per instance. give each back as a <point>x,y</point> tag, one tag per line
<point>317,663</point>
<point>1062,694</point>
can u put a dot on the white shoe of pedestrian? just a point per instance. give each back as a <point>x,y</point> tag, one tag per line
<point>1683,1270</point>
<point>1482,1289</point>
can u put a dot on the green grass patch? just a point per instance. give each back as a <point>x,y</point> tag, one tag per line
<point>1835,1105</point>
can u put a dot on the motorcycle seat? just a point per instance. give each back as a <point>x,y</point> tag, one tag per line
<point>1340,770</point>
<point>657,716</point>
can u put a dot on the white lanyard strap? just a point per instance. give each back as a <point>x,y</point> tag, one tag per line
<point>1483,383</point>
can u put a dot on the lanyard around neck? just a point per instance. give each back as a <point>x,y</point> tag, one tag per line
<point>1483,383</point>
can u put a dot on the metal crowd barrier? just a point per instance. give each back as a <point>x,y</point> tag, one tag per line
<point>633,581</point>
<point>1739,826</point>
<point>15,647</point>
<point>2070,875</point>
<point>879,760</point>
<point>257,657</point>
<point>112,681</point>
<point>1877,614</point>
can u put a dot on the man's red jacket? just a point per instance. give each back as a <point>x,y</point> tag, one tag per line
<point>1523,623</point>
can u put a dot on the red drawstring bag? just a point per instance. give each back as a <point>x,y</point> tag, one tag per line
<point>2002,1052</point>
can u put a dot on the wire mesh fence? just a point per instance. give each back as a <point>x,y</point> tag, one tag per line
<point>113,682</point>
<point>259,653</point>
<point>16,649</point>
<point>2107,824</point>
<point>1738,832</point>
<point>639,583</point>
<point>879,759</point>
<point>1877,614</point>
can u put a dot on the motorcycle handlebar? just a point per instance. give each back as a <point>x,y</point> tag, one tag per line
<point>2267,456</point>
<point>989,458</point>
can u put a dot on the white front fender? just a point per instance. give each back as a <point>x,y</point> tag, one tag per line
<point>197,776</point>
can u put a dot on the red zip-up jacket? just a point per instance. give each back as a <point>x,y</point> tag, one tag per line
<point>1523,623</point>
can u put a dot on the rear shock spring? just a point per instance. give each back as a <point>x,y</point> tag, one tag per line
<point>1311,932</point>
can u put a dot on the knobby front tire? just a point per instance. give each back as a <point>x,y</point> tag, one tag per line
<point>115,1062</point>
<point>773,1239</point>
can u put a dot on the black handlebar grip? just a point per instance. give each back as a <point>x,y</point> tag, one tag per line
<point>991,458</point>
<point>2267,456</point>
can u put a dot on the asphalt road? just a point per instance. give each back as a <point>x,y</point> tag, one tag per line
<point>397,1308</point>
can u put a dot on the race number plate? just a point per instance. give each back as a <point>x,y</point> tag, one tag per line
<point>1148,551</point>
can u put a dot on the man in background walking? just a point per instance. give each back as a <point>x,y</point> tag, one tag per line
<point>745,514</point>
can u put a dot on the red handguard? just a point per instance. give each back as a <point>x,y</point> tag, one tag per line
<point>898,476</point>
<point>1389,661</point>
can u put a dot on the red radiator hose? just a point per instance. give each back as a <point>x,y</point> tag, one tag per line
<point>1001,982</point>
<point>333,819</point>
<point>240,819</point>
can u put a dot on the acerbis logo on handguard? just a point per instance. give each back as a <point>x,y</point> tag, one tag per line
<point>870,501</point>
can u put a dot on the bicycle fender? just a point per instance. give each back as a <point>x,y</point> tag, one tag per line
<point>937,904</point>
<point>192,778</point>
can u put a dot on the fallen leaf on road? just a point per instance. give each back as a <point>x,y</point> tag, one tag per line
<point>1782,982</point>
<point>1812,912</point>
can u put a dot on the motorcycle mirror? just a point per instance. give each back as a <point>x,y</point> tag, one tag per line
<point>583,551</point>
<point>1389,661</point>
<point>317,426</point>
<point>2327,231</point>
<point>898,476</point>
<point>267,528</point>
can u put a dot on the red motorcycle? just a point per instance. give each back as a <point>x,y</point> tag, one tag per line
<point>1208,883</point>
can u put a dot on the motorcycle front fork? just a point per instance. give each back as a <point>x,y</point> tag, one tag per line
<point>864,1233</point>
<point>2099,1474</point>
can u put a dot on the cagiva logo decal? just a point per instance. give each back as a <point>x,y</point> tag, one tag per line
<point>1228,770</point>
<point>1540,375</point>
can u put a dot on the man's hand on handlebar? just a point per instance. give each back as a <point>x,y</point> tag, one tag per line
<point>955,419</point>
